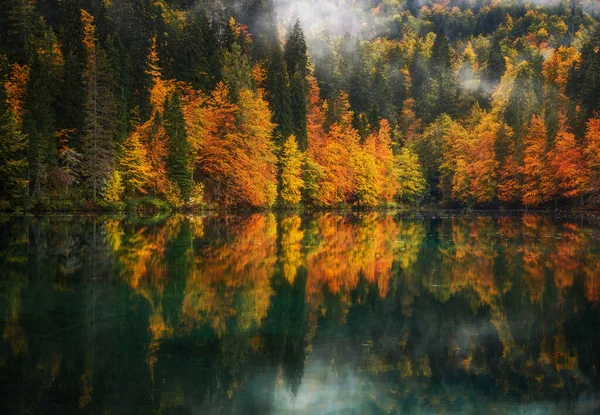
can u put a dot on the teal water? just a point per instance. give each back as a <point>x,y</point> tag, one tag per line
<point>328,313</point>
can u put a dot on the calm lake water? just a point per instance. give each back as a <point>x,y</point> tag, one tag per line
<point>328,313</point>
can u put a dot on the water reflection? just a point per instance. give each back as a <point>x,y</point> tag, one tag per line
<point>360,313</point>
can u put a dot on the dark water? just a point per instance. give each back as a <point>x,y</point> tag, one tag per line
<point>358,313</point>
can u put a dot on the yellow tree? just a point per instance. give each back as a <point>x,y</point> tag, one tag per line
<point>483,166</point>
<point>411,182</point>
<point>134,165</point>
<point>386,163</point>
<point>291,173</point>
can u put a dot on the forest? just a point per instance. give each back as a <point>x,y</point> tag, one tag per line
<point>113,104</point>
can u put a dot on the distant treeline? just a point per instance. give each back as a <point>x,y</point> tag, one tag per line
<point>220,104</point>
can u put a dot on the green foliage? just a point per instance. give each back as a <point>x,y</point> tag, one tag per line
<point>179,156</point>
<point>13,165</point>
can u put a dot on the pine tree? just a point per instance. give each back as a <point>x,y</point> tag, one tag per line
<point>99,112</point>
<point>295,53</point>
<point>278,92</point>
<point>496,64</point>
<point>298,109</point>
<point>39,123</point>
<point>296,60</point>
<point>442,81</point>
<point>521,101</point>
<point>72,92</point>
<point>179,156</point>
<point>236,71</point>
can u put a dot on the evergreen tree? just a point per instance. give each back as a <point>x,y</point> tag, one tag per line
<point>72,93</point>
<point>296,60</point>
<point>298,95</point>
<point>38,123</point>
<point>278,92</point>
<point>179,155</point>
<point>295,53</point>
<point>584,82</point>
<point>495,64</point>
<point>236,71</point>
<point>442,82</point>
<point>520,103</point>
<point>99,112</point>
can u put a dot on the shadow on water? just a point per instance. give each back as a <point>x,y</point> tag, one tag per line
<point>325,313</point>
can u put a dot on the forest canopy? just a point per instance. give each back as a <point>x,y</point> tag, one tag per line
<point>275,103</point>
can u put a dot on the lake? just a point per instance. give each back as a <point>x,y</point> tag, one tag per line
<point>324,313</point>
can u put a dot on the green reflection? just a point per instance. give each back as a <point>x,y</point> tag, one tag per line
<point>360,313</point>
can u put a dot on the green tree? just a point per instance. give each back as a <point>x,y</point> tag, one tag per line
<point>296,60</point>
<point>99,113</point>
<point>13,168</point>
<point>179,154</point>
<point>278,91</point>
<point>236,71</point>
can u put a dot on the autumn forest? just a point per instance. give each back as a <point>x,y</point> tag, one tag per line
<point>178,104</point>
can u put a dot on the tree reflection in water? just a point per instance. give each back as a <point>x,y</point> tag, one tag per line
<point>364,312</point>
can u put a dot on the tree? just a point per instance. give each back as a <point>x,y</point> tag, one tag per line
<point>295,53</point>
<point>99,112</point>
<point>134,165</point>
<point>115,187</point>
<point>429,147</point>
<point>591,150</point>
<point>366,178</point>
<point>39,117</point>
<point>13,169</point>
<point>13,143</point>
<point>538,185</point>
<point>298,108</point>
<point>76,54</point>
<point>179,156</point>
<point>296,60</point>
<point>496,64</point>
<point>521,100</point>
<point>292,183</point>
<point>278,92</point>
<point>411,182</point>
<point>442,81</point>
<point>237,161</point>
<point>568,165</point>
<point>236,71</point>
<point>385,162</point>
<point>483,165</point>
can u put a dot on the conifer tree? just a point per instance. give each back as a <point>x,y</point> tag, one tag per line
<point>278,91</point>
<point>296,60</point>
<point>179,155</point>
<point>295,53</point>
<point>99,112</point>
